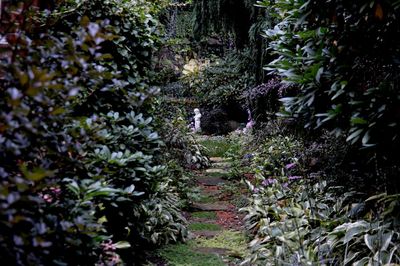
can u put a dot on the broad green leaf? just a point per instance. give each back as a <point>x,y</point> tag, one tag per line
<point>385,240</point>
<point>354,230</point>
<point>73,186</point>
<point>371,242</point>
<point>358,121</point>
<point>376,197</point>
<point>351,256</point>
<point>363,262</point>
<point>354,136</point>
<point>122,245</point>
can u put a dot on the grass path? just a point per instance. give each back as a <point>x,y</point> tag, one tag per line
<point>216,236</point>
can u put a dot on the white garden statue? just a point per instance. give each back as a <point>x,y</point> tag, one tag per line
<point>250,123</point>
<point>197,124</point>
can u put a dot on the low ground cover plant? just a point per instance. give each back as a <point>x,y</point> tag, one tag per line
<point>301,218</point>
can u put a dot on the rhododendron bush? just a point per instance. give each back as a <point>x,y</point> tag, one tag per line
<point>81,181</point>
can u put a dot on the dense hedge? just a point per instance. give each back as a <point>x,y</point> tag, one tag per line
<point>81,175</point>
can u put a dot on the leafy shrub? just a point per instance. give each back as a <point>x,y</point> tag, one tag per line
<point>263,99</point>
<point>275,154</point>
<point>299,218</point>
<point>181,144</point>
<point>225,18</point>
<point>342,58</point>
<point>40,217</point>
<point>134,29</point>
<point>223,81</point>
<point>182,152</point>
<point>80,167</point>
<point>124,155</point>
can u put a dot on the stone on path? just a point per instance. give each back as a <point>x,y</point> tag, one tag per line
<point>222,165</point>
<point>210,181</point>
<point>220,206</point>
<point>217,170</point>
<point>210,192</point>
<point>219,159</point>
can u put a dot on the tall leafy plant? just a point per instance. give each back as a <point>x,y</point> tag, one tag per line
<point>343,60</point>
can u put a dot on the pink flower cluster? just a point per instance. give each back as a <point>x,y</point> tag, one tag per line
<point>111,258</point>
<point>51,194</point>
<point>48,198</point>
<point>108,245</point>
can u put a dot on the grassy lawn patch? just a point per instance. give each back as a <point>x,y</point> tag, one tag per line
<point>215,147</point>
<point>235,241</point>
<point>183,255</point>
<point>204,215</point>
<point>205,199</point>
<point>204,227</point>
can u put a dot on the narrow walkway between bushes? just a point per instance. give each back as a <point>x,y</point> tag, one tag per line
<point>216,236</point>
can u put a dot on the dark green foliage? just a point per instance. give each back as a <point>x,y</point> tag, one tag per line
<point>182,146</point>
<point>225,25</point>
<point>181,151</point>
<point>80,164</point>
<point>263,100</point>
<point>39,215</point>
<point>297,217</point>
<point>224,16</point>
<point>216,121</point>
<point>125,155</point>
<point>223,81</point>
<point>132,30</point>
<point>344,60</point>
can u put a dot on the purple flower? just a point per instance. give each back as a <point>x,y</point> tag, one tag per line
<point>268,182</point>
<point>290,166</point>
<point>285,185</point>
<point>256,190</point>
<point>295,177</point>
<point>248,156</point>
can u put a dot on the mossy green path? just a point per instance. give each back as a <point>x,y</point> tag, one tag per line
<point>216,237</point>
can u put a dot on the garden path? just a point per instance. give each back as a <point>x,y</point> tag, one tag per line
<point>216,233</point>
